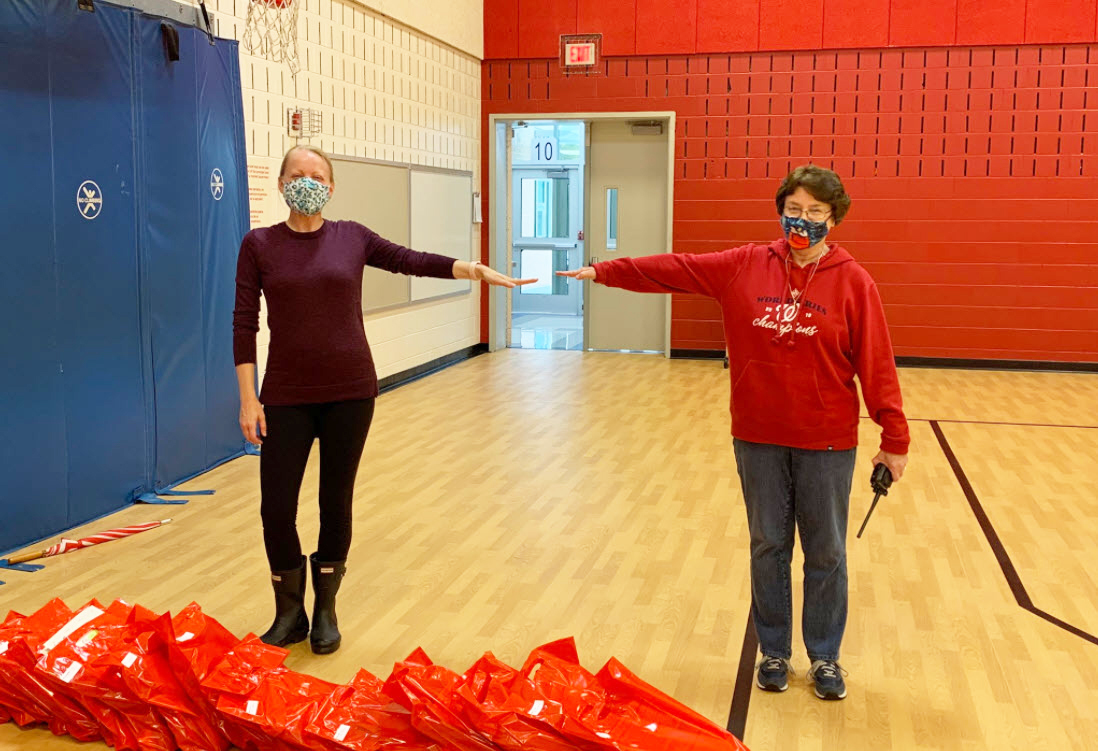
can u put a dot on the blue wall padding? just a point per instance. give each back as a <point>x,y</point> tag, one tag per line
<point>224,222</point>
<point>118,376</point>
<point>99,325</point>
<point>171,233</point>
<point>32,419</point>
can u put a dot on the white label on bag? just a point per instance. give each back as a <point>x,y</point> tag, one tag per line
<point>70,672</point>
<point>3,647</point>
<point>129,660</point>
<point>252,708</point>
<point>536,709</point>
<point>81,619</point>
<point>341,734</point>
<point>185,637</point>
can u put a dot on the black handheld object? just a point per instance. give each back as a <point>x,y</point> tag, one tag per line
<point>880,481</point>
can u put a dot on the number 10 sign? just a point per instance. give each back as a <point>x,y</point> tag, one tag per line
<point>545,150</point>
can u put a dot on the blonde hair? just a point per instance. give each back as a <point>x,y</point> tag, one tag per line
<point>313,150</point>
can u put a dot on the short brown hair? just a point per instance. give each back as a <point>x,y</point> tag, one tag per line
<point>823,184</point>
<point>314,150</point>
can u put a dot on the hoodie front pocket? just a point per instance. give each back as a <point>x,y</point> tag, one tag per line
<point>769,392</point>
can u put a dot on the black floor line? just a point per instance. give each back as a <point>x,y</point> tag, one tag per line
<point>1008,424</point>
<point>745,676</point>
<point>994,422</point>
<point>1014,581</point>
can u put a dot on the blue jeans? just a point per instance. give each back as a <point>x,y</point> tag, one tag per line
<point>783,486</point>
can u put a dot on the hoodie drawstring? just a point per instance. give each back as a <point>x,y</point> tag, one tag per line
<point>798,301</point>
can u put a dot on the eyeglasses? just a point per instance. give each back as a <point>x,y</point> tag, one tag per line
<point>815,214</point>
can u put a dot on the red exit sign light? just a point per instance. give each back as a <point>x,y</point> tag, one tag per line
<point>580,52</point>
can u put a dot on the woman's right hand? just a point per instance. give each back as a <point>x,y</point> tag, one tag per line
<point>584,272</point>
<point>251,414</point>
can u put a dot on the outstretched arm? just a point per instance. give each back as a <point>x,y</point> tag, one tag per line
<point>384,254</point>
<point>692,273</point>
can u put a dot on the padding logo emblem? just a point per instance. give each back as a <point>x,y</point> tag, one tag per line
<point>89,200</point>
<point>217,184</point>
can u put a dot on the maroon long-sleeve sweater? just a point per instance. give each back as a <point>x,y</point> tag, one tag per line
<point>313,285</point>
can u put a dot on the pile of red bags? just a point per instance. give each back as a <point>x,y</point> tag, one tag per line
<point>139,681</point>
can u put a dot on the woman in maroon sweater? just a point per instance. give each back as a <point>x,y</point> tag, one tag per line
<point>320,381</point>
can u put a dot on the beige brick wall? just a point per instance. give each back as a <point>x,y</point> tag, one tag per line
<point>385,91</point>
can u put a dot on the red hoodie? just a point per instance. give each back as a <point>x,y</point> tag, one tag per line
<point>792,364</point>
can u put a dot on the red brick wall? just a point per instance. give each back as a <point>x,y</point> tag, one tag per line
<point>526,29</point>
<point>973,170</point>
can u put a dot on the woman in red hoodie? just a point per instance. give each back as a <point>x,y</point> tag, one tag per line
<point>801,319</point>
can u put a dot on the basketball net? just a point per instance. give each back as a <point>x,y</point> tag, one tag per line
<point>271,31</point>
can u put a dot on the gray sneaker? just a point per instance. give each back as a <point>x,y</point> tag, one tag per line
<point>773,672</point>
<point>827,679</point>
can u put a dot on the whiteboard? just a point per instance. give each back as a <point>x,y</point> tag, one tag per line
<point>442,222</point>
<point>418,208</point>
<point>377,196</point>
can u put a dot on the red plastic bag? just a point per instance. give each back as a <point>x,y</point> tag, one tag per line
<point>283,704</point>
<point>360,717</point>
<point>200,644</point>
<point>14,704</point>
<point>145,665</point>
<point>263,702</point>
<point>35,701</point>
<point>58,665</point>
<point>229,684</point>
<point>572,692</point>
<point>427,691</point>
<point>80,656</point>
<point>646,706</point>
<point>617,707</point>
<point>503,704</point>
<point>201,641</point>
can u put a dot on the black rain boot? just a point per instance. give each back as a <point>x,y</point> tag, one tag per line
<point>291,624</point>
<point>325,637</point>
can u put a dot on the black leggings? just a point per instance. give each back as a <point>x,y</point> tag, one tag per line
<point>341,428</point>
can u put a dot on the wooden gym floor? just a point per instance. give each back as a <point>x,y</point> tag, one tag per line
<point>528,495</point>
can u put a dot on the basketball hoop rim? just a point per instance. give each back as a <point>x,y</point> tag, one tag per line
<point>271,31</point>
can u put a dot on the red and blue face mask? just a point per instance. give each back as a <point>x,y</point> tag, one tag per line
<point>803,233</point>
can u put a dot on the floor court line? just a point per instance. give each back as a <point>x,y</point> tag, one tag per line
<point>1017,588</point>
<point>741,695</point>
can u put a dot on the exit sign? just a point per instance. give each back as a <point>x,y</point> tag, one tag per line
<point>579,52</point>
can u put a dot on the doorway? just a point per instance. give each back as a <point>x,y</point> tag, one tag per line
<point>547,209</point>
<point>567,192</point>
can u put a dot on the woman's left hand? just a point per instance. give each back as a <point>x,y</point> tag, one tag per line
<point>896,463</point>
<point>488,275</point>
